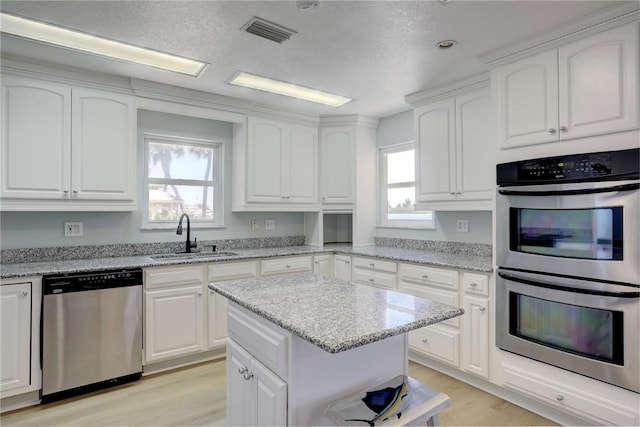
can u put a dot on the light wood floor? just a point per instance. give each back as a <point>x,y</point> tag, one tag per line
<point>195,396</point>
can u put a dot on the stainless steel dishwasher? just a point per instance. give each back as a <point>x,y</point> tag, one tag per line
<point>91,331</point>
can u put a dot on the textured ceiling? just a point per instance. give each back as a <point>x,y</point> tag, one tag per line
<point>375,52</point>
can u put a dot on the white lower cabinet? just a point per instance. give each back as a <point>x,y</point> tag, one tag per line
<point>342,267</point>
<point>462,342</point>
<point>374,272</point>
<point>281,265</point>
<point>217,304</point>
<point>323,264</point>
<point>20,373</point>
<point>174,307</point>
<point>579,400</point>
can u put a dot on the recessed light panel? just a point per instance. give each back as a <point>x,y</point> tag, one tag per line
<point>266,84</point>
<point>83,42</point>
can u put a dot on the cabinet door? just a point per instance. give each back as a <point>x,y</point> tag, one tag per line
<point>599,83</point>
<point>173,322</point>
<point>302,164</point>
<point>435,151</point>
<point>336,165</point>
<point>270,397</point>
<point>104,150</point>
<point>323,264</point>
<point>217,315</point>
<point>240,396</point>
<point>265,161</point>
<point>475,325</point>
<point>474,139</point>
<point>36,139</point>
<point>15,336</point>
<point>528,101</point>
<point>342,267</point>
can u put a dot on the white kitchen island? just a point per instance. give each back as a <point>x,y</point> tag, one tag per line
<point>298,342</point>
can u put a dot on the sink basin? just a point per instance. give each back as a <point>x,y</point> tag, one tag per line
<point>192,255</point>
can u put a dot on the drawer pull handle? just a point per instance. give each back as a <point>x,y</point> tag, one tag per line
<point>242,370</point>
<point>425,340</point>
<point>371,280</point>
<point>288,266</point>
<point>371,264</point>
<point>482,308</point>
<point>559,398</point>
<point>425,276</point>
<point>248,375</point>
<point>552,130</point>
<point>563,128</point>
<point>473,285</point>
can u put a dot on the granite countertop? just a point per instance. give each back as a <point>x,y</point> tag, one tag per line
<point>333,314</point>
<point>435,258</point>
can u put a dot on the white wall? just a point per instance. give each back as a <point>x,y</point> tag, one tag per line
<point>397,129</point>
<point>45,229</point>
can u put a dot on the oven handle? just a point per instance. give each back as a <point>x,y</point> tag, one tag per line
<point>568,288</point>
<point>624,187</point>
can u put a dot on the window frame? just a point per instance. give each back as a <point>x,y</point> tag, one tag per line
<point>383,187</point>
<point>216,181</point>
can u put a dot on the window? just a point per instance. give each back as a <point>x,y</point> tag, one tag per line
<point>182,175</point>
<point>398,189</point>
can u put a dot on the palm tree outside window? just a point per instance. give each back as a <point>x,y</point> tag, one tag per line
<point>182,175</point>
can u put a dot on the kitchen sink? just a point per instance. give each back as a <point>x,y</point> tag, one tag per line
<point>192,255</point>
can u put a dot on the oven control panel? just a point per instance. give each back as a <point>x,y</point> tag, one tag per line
<point>602,166</point>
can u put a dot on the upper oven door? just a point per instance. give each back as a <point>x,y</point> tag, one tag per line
<point>585,230</point>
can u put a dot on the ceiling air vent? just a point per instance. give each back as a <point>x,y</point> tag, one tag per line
<point>268,30</point>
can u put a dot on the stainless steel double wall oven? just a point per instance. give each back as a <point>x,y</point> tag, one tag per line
<point>568,279</point>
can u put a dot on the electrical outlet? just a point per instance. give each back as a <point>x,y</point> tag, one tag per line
<point>462,226</point>
<point>269,224</point>
<point>73,229</point>
<point>254,225</point>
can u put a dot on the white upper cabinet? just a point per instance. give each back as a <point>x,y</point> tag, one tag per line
<point>588,87</point>
<point>66,148</point>
<point>336,164</point>
<point>281,162</point>
<point>454,140</point>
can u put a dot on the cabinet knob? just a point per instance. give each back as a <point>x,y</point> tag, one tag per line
<point>199,293</point>
<point>552,130</point>
<point>25,293</point>
<point>559,398</point>
<point>425,340</point>
<point>288,266</point>
<point>482,308</point>
<point>473,285</point>
<point>453,193</point>
<point>75,191</point>
<point>243,370</point>
<point>248,375</point>
<point>563,128</point>
<point>371,264</point>
<point>425,276</point>
<point>66,191</point>
<point>371,280</point>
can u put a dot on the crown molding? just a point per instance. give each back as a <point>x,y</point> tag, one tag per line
<point>608,18</point>
<point>448,90</point>
<point>348,120</point>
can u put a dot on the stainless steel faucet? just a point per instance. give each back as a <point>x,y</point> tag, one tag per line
<point>189,245</point>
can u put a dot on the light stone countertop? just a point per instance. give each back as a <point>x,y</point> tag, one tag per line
<point>469,262</point>
<point>333,314</point>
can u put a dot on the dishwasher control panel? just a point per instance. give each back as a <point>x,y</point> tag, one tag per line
<point>77,282</point>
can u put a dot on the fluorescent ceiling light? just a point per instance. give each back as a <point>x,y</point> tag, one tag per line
<point>288,89</point>
<point>75,40</point>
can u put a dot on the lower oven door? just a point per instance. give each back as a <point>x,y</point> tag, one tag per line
<point>591,328</point>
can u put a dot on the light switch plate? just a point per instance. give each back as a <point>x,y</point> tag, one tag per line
<point>462,226</point>
<point>254,225</point>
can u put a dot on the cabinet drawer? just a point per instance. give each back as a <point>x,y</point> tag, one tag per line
<point>574,401</point>
<point>266,342</point>
<point>375,264</point>
<point>285,265</point>
<point>477,284</point>
<point>433,294</point>
<point>232,271</point>
<point>374,278</point>
<point>439,343</point>
<point>429,275</point>
<point>172,276</point>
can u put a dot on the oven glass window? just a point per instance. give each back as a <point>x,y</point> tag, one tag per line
<point>590,332</point>
<point>571,233</point>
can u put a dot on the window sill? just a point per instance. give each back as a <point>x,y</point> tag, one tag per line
<point>166,227</point>
<point>408,226</point>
